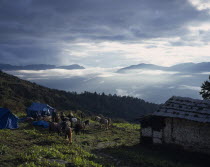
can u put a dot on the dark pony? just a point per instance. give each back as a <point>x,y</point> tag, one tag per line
<point>67,130</point>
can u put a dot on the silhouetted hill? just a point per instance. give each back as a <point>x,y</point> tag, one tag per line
<point>142,66</point>
<point>184,67</point>
<point>39,67</point>
<point>16,94</point>
<point>71,67</point>
<point>192,67</point>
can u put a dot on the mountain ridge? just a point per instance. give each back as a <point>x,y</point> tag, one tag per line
<point>39,67</point>
<point>182,67</point>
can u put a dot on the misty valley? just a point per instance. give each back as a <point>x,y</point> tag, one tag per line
<point>149,83</point>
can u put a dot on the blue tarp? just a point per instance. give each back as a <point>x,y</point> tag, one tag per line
<point>7,119</point>
<point>45,124</point>
<point>39,109</point>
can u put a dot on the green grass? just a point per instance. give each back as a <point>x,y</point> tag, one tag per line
<point>48,154</point>
<point>35,146</point>
<point>127,126</point>
<point>31,146</point>
<point>20,114</point>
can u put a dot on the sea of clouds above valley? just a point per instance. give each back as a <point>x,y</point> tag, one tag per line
<point>151,85</point>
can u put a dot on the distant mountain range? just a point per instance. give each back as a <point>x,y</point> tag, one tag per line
<point>184,67</point>
<point>39,67</point>
<point>143,81</point>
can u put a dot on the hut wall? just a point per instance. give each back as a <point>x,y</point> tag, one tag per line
<point>146,135</point>
<point>147,132</point>
<point>191,135</point>
<point>167,130</point>
<point>157,137</point>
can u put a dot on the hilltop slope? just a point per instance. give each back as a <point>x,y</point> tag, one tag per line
<point>16,94</point>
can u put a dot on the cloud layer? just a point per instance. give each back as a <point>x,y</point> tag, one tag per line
<point>104,33</point>
<point>154,86</point>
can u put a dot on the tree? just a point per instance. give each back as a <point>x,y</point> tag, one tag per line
<point>205,89</point>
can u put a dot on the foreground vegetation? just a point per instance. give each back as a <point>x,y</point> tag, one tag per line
<point>35,146</point>
<point>31,146</point>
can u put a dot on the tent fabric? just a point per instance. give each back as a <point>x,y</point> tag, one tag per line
<point>39,109</point>
<point>45,124</point>
<point>7,119</point>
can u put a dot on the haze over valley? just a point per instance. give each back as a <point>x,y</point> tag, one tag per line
<point>146,81</point>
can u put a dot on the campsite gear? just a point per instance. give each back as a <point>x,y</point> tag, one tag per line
<point>38,109</point>
<point>7,119</point>
<point>45,124</point>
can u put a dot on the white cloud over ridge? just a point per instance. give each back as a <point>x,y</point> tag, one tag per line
<point>194,88</point>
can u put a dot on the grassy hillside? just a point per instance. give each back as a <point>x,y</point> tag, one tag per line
<point>31,146</point>
<point>17,94</point>
<point>35,146</point>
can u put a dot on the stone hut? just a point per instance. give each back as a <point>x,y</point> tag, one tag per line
<point>181,121</point>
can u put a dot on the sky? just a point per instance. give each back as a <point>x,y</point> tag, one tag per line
<point>104,33</point>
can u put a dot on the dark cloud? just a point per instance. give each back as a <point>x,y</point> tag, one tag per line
<point>36,29</point>
<point>32,53</point>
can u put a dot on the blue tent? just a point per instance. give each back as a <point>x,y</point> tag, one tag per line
<point>7,119</point>
<point>39,109</point>
<point>45,124</point>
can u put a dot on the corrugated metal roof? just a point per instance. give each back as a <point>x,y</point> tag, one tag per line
<point>185,108</point>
